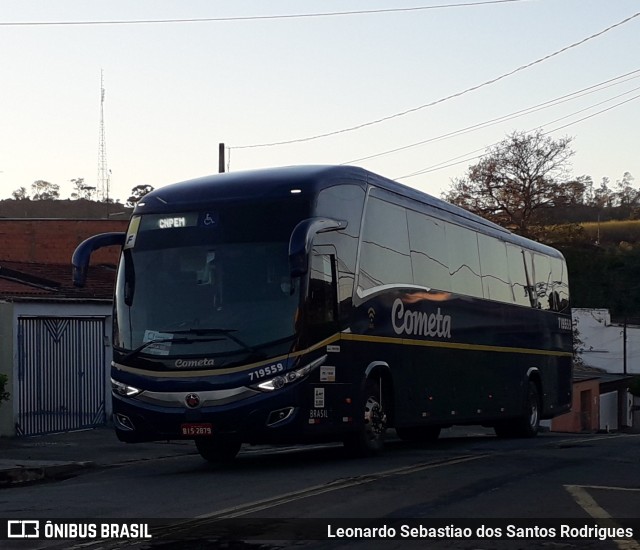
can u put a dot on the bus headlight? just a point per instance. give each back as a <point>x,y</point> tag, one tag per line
<point>292,376</point>
<point>124,389</point>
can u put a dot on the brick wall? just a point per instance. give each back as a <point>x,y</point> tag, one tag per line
<point>585,409</point>
<point>52,241</point>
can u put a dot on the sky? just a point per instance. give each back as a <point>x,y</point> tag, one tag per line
<point>416,95</point>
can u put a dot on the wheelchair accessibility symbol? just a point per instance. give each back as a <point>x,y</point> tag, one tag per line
<point>210,220</point>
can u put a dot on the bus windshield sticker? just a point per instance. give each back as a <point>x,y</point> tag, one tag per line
<point>159,348</point>
<point>333,349</point>
<point>130,240</point>
<point>327,374</point>
<point>318,398</point>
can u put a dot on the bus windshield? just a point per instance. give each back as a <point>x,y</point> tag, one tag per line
<point>185,293</point>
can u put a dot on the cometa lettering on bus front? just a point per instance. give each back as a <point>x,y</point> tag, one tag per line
<point>419,323</point>
<point>187,363</point>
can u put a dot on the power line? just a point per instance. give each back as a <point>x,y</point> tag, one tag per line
<point>593,114</point>
<point>255,17</point>
<point>447,98</point>
<point>516,114</point>
<point>466,158</point>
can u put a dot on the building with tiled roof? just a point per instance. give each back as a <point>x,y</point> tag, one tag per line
<point>35,259</point>
<point>55,339</point>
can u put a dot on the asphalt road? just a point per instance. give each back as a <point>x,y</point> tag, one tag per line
<point>468,481</point>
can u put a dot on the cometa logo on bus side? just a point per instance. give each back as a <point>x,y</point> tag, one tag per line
<point>419,323</point>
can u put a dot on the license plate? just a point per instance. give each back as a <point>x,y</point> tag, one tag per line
<point>191,430</point>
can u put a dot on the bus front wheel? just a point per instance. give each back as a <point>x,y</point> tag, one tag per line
<point>369,439</point>
<point>218,450</point>
<point>526,425</point>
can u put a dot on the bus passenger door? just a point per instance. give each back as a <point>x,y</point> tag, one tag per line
<point>322,298</point>
<point>330,393</point>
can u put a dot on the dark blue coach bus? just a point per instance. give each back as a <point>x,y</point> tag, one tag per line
<point>323,303</point>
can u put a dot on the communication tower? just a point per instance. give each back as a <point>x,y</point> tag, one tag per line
<point>103,171</point>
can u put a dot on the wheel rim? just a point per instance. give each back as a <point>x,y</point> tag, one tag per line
<point>533,413</point>
<point>375,419</point>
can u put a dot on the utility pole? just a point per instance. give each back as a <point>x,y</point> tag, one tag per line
<point>220,158</point>
<point>624,346</point>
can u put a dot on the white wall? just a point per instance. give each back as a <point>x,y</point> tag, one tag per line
<point>609,411</point>
<point>602,342</point>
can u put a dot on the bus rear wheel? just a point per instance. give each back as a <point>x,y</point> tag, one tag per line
<point>218,450</point>
<point>369,439</point>
<point>526,425</point>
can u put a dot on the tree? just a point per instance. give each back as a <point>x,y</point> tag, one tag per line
<point>516,180</point>
<point>578,190</point>
<point>137,193</point>
<point>602,197</point>
<point>625,194</point>
<point>82,191</point>
<point>43,190</point>
<point>20,194</point>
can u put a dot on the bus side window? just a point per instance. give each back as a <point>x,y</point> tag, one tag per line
<point>322,312</point>
<point>518,275</point>
<point>385,257</point>
<point>429,254</point>
<point>494,267</point>
<point>560,283</point>
<point>547,297</point>
<point>464,260</point>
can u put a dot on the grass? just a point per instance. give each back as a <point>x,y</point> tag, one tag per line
<point>613,232</point>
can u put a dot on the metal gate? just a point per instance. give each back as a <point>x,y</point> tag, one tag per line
<point>61,374</point>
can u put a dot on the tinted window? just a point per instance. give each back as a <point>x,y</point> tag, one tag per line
<point>342,202</point>
<point>384,254</point>
<point>551,283</point>
<point>322,305</point>
<point>495,269</point>
<point>464,262</point>
<point>517,275</point>
<point>429,255</point>
<point>543,282</point>
<point>560,279</point>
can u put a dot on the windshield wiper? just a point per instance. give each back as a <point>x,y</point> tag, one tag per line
<point>183,340</point>
<point>224,331</point>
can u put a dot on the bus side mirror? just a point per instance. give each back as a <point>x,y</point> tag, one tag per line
<point>82,254</point>
<point>301,239</point>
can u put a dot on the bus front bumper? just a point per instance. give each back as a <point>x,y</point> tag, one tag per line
<point>136,419</point>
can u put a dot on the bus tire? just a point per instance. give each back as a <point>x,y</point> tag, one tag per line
<point>526,425</point>
<point>419,434</point>
<point>218,450</point>
<point>369,439</point>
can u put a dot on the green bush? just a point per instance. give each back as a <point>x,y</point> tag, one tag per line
<point>4,395</point>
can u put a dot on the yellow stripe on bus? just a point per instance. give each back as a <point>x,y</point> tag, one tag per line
<point>338,337</point>
<point>220,372</point>
<point>454,345</point>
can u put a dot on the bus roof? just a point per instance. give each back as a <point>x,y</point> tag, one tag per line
<point>310,180</point>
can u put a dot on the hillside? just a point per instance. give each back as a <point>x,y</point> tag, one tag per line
<point>68,209</point>
<point>613,232</point>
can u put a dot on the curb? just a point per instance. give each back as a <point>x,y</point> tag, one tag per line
<point>30,474</point>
